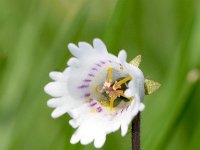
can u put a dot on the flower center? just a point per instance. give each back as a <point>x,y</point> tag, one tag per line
<point>113,91</point>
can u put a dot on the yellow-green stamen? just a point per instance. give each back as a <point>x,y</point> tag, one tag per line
<point>111,102</point>
<point>109,78</point>
<point>124,80</point>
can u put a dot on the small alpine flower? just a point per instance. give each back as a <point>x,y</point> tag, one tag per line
<point>100,91</point>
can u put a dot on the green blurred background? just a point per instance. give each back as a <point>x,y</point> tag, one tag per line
<point>33,40</point>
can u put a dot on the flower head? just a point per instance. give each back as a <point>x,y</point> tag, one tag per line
<point>101,92</point>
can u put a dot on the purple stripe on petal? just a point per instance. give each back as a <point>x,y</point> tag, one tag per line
<point>94,69</point>
<point>99,109</point>
<point>83,86</point>
<point>87,80</point>
<point>91,75</point>
<point>93,104</point>
<point>103,62</point>
<point>98,65</point>
<point>87,95</point>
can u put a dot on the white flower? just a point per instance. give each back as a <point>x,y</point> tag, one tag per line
<point>101,92</point>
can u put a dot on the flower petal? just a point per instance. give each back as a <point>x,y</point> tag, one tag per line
<point>75,51</point>
<point>55,102</point>
<point>55,89</point>
<point>79,110</point>
<point>124,129</point>
<point>73,123</point>
<point>99,140</point>
<point>99,45</point>
<point>57,76</point>
<point>138,79</point>
<point>73,62</point>
<point>122,55</point>
<point>59,111</point>
<point>141,107</point>
<point>85,47</point>
<point>75,137</point>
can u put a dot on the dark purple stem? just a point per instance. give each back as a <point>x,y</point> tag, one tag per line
<point>136,133</point>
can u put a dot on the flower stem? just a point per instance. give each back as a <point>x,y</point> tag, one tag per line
<point>136,133</point>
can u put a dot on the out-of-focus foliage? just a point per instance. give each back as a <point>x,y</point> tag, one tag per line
<point>33,39</point>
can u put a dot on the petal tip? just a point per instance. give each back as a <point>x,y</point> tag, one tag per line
<point>71,45</point>
<point>47,89</point>
<point>141,107</point>
<point>73,124</point>
<point>122,55</point>
<point>74,139</point>
<point>54,75</point>
<point>99,45</point>
<point>97,40</point>
<point>49,104</point>
<point>99,141</point>
<point>74,50</point>
<point>54,116</point>
<point>124,130</point>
